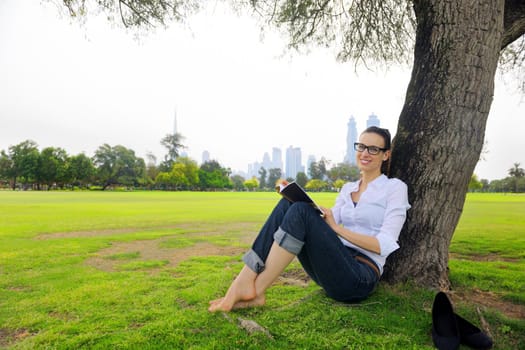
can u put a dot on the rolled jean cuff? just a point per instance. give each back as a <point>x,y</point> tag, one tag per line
<point>287,241</point>
<point>253,261</point>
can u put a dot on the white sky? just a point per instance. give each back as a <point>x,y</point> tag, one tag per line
<point>78,87</point>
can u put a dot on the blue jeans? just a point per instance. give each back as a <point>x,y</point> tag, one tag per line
<point>299,229</point>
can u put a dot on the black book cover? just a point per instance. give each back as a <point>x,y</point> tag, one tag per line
<point>295,193</point>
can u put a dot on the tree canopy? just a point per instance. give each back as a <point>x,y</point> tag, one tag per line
<point>173,144</point>
<point>360,30</point>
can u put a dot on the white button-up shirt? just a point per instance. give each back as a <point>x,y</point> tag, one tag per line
<point>380,212</point>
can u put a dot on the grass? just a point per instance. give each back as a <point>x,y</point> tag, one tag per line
<point>488,248</point>
<point>136,270</point>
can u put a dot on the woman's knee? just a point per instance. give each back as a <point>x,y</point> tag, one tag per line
<point>300,207</point>
<point>284,204</point>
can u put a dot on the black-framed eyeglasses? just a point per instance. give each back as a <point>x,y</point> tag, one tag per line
<point>360,147</point>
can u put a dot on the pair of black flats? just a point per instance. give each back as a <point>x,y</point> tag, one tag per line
<point>449,330</point>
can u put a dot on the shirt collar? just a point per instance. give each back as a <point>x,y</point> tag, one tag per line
<point>377,182</point>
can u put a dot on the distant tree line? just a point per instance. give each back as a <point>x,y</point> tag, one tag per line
<point>24,166</point>
<point>515,182</point>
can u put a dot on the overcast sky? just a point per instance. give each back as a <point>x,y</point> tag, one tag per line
<point>78,87</point>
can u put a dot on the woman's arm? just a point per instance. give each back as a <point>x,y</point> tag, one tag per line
<point>385,242</point>
<point>369,243</point>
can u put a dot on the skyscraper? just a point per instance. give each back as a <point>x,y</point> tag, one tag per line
<point>277,158</point>
<point>253,168</point>
<point>351,138</point>
<point>309,161</point>
<point>293,162</point>
<point>175,130</point>
<point>373,120</point>
<point>205,156</point>
<point>266,163</point>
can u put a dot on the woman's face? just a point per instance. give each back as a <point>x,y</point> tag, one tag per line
<point>367,162</point>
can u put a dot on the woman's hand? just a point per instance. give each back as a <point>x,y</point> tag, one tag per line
<point>329,217</point>
<point>364,241</point>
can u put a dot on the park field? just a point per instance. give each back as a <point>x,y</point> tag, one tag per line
<point>135,270</point>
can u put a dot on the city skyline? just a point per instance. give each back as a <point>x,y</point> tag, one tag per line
<point>352,137</point>
<point>236,95</point>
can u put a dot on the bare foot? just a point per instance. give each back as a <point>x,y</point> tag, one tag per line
<point>241,290</point>
<point>216,301</point>
<point>259,300</point>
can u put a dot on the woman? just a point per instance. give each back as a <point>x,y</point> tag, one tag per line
<point>345,251</point>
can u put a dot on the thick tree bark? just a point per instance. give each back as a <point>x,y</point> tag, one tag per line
<point>441,128</point>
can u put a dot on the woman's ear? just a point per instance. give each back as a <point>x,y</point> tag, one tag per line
<point>386,155</point>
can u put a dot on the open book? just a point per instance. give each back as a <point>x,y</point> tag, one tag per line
<point>295,193</point>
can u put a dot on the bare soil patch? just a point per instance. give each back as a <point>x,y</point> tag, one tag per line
<point>153,250</point>
<point>487,257</point>
<point>296,277</point>
<point>115,231</point>
<point>150,250</point>
<point>193,229</point>
<point>8,336</point>
<point>489,300</point>
<point>84,234</point>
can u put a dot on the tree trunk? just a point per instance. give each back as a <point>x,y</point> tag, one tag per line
<point>441,128</point>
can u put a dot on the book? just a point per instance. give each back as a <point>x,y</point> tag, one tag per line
<point>295,193</point>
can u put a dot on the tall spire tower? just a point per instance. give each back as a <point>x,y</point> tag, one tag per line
<point>175,130</point>
<point>351,137</point>
<point>373,120</point>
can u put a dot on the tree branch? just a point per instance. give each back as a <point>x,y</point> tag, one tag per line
<point>514,22</point>
<point>135,11</point>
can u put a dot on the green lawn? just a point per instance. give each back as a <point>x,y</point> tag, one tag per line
<point>137,269</point>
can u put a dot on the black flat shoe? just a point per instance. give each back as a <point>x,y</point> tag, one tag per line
<point>471,335</point>
<point>445,331</point>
